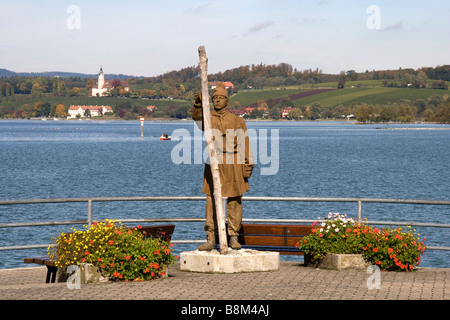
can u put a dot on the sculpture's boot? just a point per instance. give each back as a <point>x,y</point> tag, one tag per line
<point>210,242</point>
<point>234,244</point>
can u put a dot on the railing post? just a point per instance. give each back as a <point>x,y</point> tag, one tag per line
<point>89,217</point>
<point>359,211</point>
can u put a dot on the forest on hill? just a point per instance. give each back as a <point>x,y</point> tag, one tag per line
<point>259,91</point>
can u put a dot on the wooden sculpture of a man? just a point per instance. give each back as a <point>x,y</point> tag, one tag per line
<point>232,145</point>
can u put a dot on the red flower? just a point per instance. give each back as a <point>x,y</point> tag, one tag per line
<point>375,249</point>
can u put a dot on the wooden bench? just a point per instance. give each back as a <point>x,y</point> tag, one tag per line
<point>280,238</point>
<point>163,231</point>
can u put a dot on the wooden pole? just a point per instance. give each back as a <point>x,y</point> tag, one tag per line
<point>214,164</point>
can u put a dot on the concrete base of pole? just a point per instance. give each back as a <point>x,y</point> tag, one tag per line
<point>234,261</point>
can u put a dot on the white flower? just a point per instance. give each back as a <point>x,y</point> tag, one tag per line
<point>336,230</point>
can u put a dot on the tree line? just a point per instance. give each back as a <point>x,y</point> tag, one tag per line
<point>182,84</point>
<point>433,109</point>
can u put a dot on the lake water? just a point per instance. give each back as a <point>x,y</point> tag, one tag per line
<point>62,159</point>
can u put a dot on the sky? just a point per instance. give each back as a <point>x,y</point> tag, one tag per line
<point>149,38</point>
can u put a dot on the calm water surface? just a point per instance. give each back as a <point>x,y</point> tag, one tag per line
<point>59,159</point>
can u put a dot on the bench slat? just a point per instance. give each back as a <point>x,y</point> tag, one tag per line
<point>268,240</point>
<point>302,230</point>
<point>163,231</point>
<point>282,250</point>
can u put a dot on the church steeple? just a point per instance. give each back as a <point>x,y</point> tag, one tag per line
<point>101,79</point>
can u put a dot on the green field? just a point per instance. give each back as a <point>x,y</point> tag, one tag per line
<point>370,94</point>
<point>252,96</point>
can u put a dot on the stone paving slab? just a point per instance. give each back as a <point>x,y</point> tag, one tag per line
<point>292,281</point>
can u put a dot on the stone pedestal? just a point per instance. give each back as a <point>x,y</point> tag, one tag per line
<point>234,261</point>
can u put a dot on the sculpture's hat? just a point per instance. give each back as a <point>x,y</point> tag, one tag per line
<point>220,90</point>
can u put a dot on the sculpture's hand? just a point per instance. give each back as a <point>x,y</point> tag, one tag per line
<point>198,99</point>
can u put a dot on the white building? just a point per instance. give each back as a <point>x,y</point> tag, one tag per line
<point>104,86</point>
<point>101,88</point>
<point>95,111</point>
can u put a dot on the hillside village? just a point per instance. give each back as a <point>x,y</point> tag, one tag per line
<point>269,92</point>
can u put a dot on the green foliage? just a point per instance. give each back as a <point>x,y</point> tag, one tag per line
<point>374,95</point>
<point>390,249</point>
<point>119,252</point>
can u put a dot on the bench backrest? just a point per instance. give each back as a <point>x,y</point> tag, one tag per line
<point>163,231</point>
<point>275,237</point>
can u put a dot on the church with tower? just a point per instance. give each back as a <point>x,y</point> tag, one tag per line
<point>104,86</point>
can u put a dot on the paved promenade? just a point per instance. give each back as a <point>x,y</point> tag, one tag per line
<point>292,281</point>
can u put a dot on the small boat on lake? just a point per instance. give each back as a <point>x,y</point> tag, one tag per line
<point>164,137</point>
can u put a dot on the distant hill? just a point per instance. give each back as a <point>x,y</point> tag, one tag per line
<point>4,73</point>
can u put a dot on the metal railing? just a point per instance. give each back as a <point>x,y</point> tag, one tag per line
<point>89,220</point>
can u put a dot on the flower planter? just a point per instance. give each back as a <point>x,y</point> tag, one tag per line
<point>91,274</point>
<point>87,273</point>
<point>336,261</point>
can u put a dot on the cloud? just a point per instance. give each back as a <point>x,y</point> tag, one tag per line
<point>260,26</point>
<point>395,26</point>
<point>198,9</point>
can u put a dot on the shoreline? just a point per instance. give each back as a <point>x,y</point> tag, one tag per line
<point>445,125</point>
